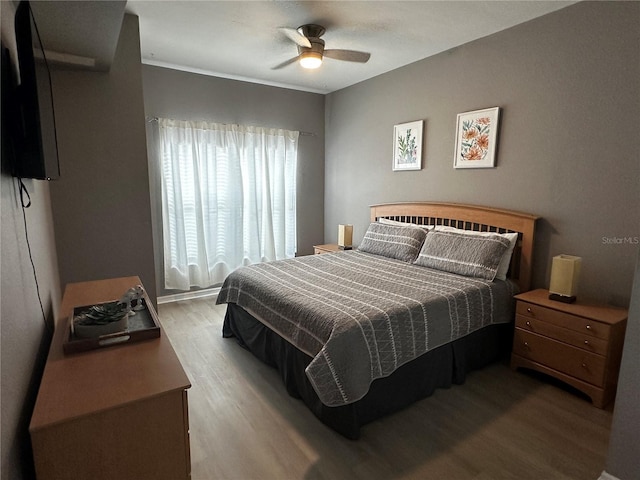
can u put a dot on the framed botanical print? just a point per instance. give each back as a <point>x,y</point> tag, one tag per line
<point>407,146</point>
<point>476,138</point>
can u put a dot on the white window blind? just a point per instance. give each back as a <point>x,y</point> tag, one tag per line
<point>228,199</point>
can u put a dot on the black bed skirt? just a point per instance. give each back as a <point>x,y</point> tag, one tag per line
<point>438,368</point>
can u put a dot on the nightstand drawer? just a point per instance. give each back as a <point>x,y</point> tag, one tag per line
<point>577,339</point>
<point>559,356</point>
<point>326,248</point>
<point>564,320</point>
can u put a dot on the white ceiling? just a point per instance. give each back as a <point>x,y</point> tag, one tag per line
<point>240,39</point>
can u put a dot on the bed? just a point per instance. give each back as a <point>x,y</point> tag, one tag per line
<point>360,334</point>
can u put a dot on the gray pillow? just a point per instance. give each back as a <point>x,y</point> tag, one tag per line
<point>468,255</point>
<point>402,243</point>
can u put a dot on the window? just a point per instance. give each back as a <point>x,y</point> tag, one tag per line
<point>228,199</point>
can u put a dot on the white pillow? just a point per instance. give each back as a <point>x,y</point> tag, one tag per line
<point>503,267</point>
<point>388,221</point>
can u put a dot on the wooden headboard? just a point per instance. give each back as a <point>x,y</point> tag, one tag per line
<point>472,217</point>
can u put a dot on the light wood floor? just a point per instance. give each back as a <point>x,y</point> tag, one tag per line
<point>499,425</point>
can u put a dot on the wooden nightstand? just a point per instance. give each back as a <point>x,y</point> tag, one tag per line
<point>579,343</point>
<point>326,248</point>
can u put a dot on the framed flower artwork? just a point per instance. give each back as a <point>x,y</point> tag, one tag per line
<point>407,146</point>
<point>476,138</point>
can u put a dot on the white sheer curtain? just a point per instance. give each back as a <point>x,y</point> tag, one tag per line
<point>228,199</point>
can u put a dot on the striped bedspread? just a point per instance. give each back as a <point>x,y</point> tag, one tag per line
<point>361,316</point>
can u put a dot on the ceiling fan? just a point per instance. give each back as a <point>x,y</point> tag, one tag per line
<point>311,48</point>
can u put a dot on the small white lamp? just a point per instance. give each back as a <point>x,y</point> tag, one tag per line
<point>565,270</point>
<point>345,237</point>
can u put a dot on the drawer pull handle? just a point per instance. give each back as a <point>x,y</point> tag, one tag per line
<point>528,323</point>
<point>584,365</point>
<point>526,344</point>
<point>588,327</point>
<point>586,342</point>
<point>529,310</point>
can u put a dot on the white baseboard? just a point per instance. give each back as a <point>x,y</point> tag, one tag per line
<point>607,476</point>
<point>208,292</point>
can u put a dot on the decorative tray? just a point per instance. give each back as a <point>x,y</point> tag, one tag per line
<point>142,325</point>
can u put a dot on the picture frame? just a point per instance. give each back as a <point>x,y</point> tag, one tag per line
<point>477,138</point>
<point>407,146</point>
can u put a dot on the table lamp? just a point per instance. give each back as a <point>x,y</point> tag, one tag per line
<point>345,237</point>
<point>565,270</point>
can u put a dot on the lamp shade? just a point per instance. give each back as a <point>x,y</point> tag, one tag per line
<point>565,271</point>
<point>345,236</point>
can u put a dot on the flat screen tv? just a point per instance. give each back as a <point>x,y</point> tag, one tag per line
<point>9,115</point>
<point>36,142</point>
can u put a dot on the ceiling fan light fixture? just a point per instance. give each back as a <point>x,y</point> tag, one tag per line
<point>310,59</point>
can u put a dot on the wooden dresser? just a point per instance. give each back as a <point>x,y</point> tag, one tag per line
<point>580,343</point>
<point>119,412</point>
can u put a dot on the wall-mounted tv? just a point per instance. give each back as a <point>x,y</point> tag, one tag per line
<point>9,116</point>
<point>36,142</point>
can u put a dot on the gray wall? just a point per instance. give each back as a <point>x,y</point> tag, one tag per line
<point>623,460</point>
<point>101,203</point>
<point>568,87</point>
<point>23,335</point>
<point>187,96</point>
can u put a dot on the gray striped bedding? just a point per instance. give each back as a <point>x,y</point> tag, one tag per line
<point>360,316</point>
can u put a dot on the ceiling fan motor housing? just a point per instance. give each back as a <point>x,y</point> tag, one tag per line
<point>311,30</point>
<point>317,47</point>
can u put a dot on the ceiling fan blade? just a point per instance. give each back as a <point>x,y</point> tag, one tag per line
<point>296,36</point>
<point>348,55</point>
<point>284,64</point>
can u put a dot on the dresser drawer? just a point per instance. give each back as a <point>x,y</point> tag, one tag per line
<point>572,337</point>
<point>564,320</point>
<point>559,356</point>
